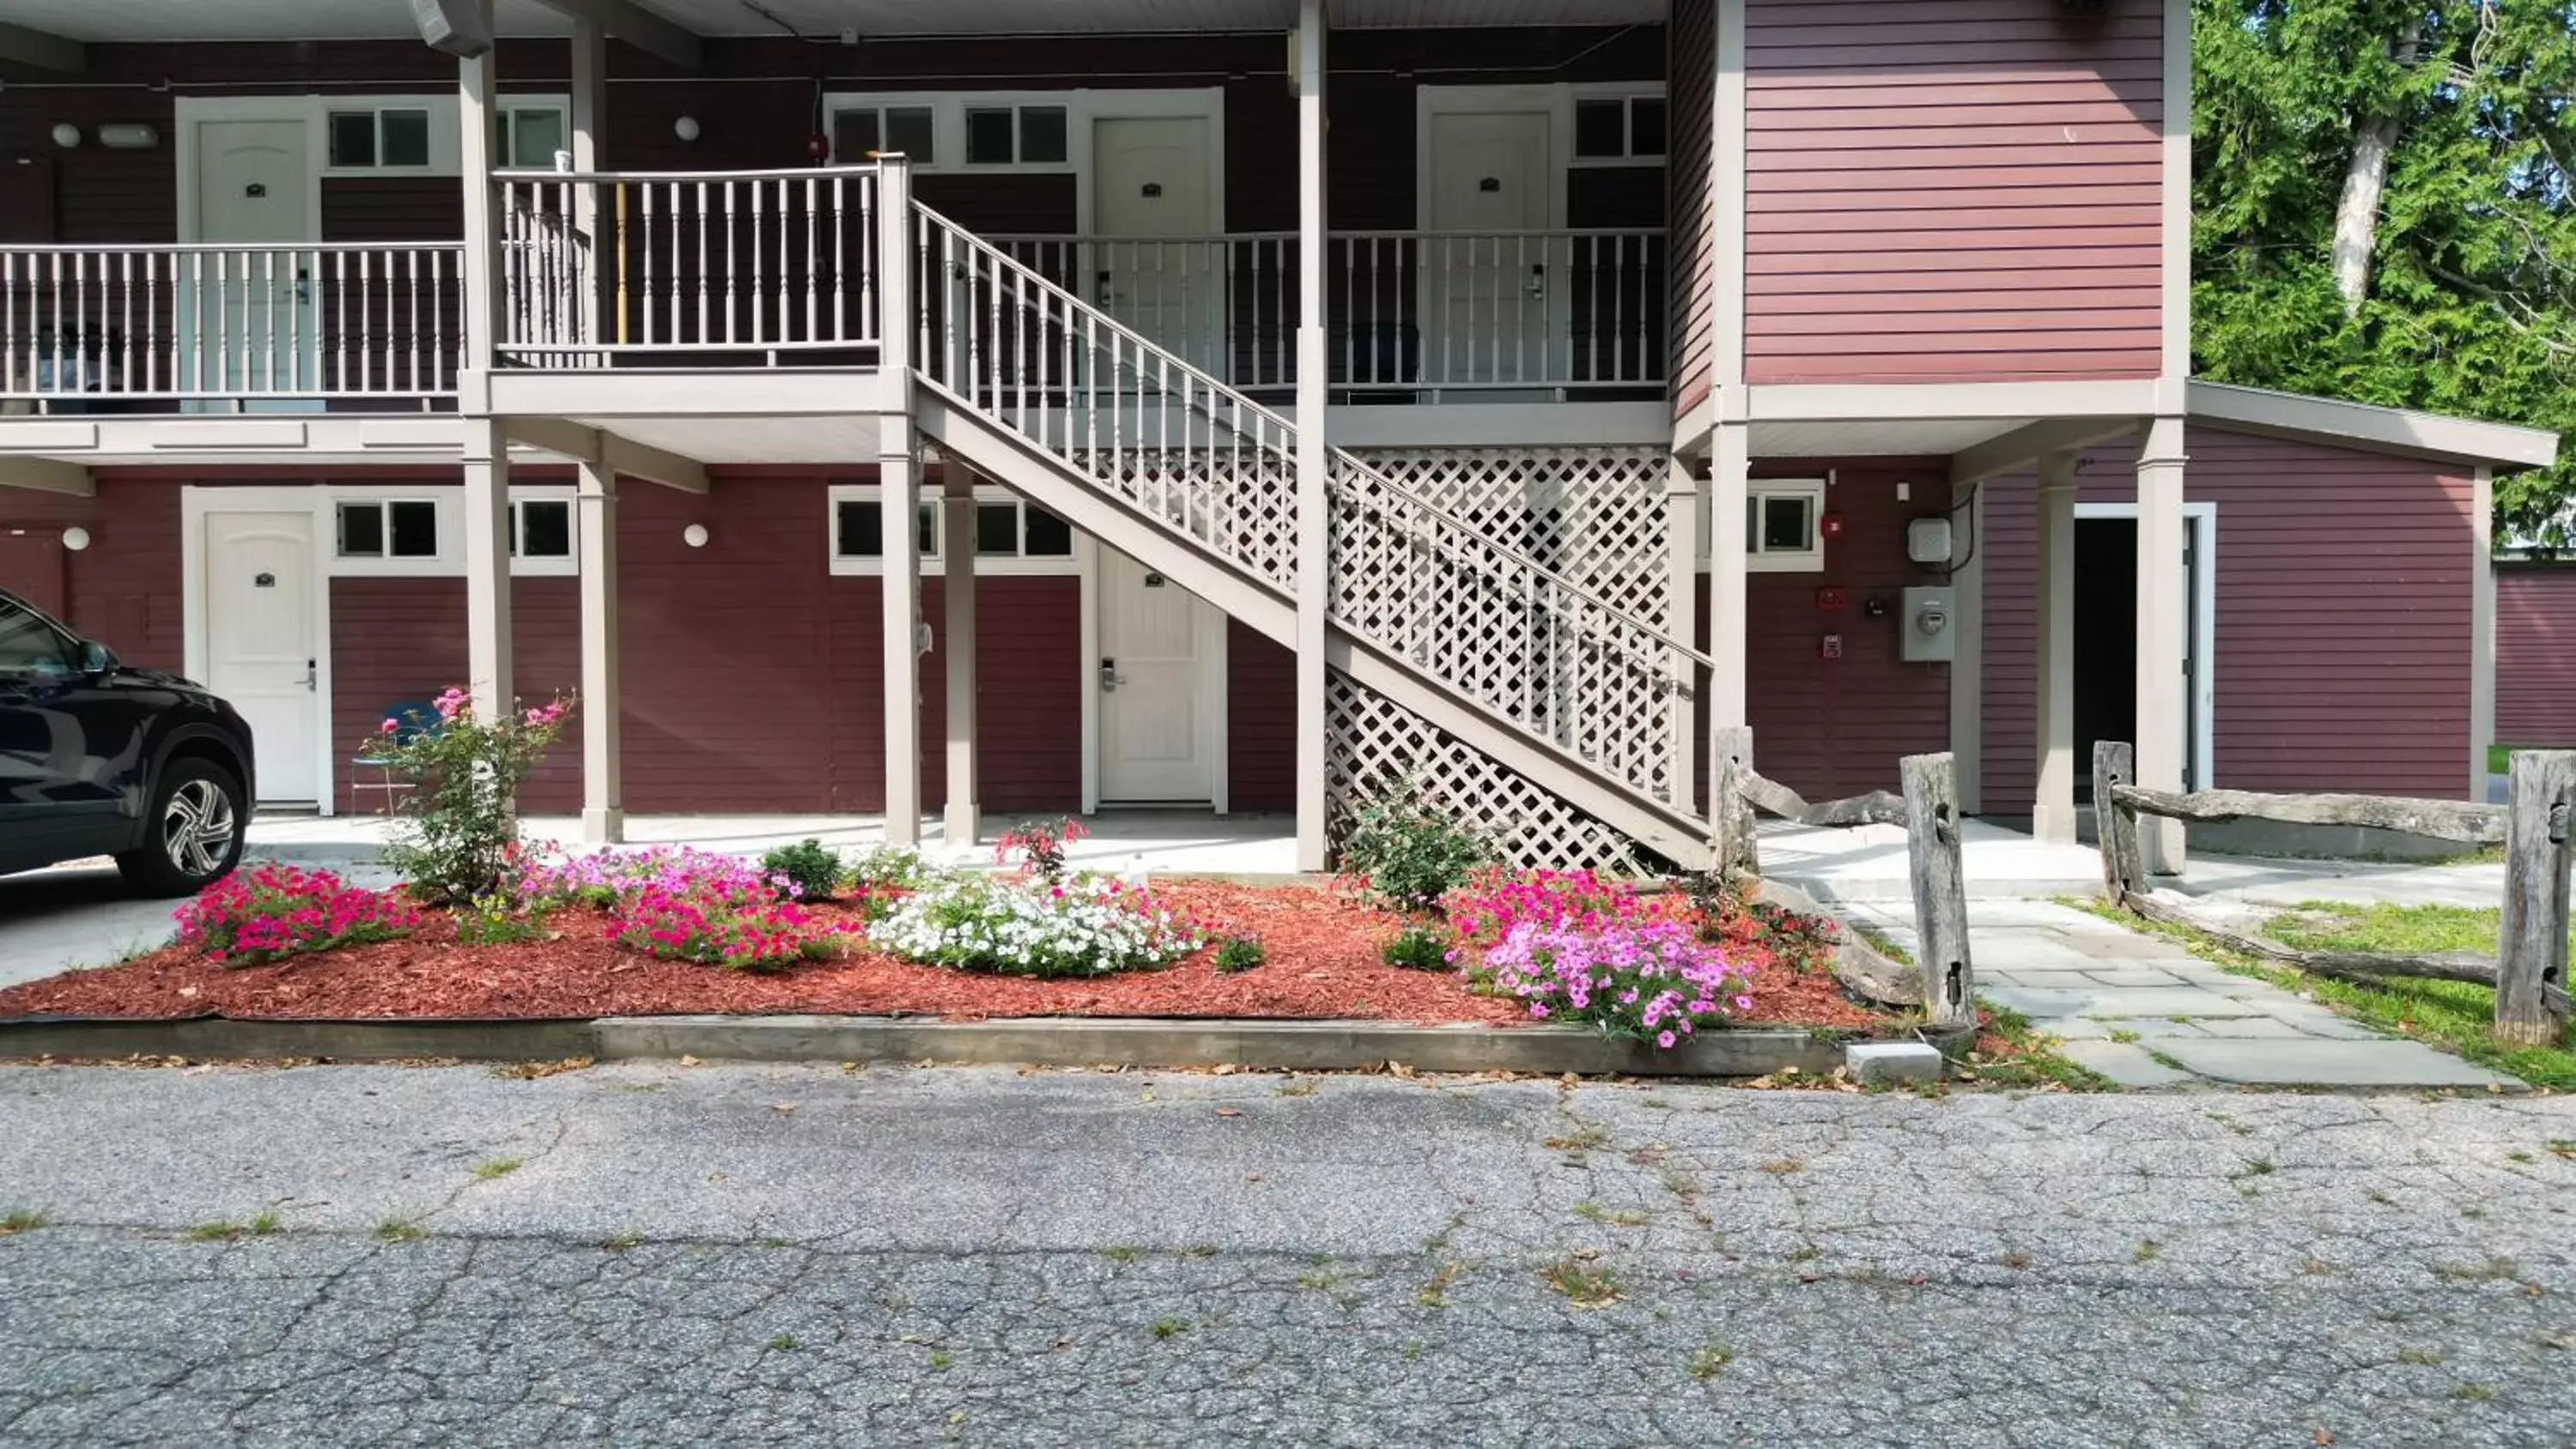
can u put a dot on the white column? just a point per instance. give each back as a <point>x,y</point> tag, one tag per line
<point>603,786</point>
<point>1314,565</point>
<point>1968,664</point>
<point>1681,619</point>
<point>487,566</point>
<point>899,470</point>
<point>589,140</point>
<point>2162,703</point>
<point>2482,631</point>
<point>478,97</point>
<point>1730,478</point>
<point>957,590</point>
<point>2052,814</point>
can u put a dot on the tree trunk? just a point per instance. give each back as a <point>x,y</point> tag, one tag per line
<point>2356,234</point>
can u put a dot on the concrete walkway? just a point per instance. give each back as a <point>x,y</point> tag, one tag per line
<point>2146,1013</point>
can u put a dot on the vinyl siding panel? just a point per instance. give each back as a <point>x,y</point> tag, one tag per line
<point>1260,721</point>
<point>2343,602</point>
<point>1958,190</point>
<point>1690,204</point>
<point>2536,655</point>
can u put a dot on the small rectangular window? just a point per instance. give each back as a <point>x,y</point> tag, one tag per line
<point>854,135</point>
<point>362,530</point>
<point>908,129</point>
<point>1646,126</point>
<point>413,529</point>
<point>405,138</point>
<point>1048,536</point>
<point>997,529</point>
<point>533,137</point>
<point>859,531</point>
<point>988,138</point>
<point>1042,133</point>
<point>1600,128</point>
<point>548,532</point>
<point>353,138</point>
<point>1786,526</point>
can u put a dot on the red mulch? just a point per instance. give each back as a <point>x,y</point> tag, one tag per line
<point>1322,962</point>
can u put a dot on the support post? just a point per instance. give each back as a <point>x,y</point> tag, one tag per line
<point>2482,631</point>
<point>1681,618</point>
<point>899,498</point>
<point>603,784</point>
<point>2052,815</point>
<point>487,566</point>
<point>478,108</point>
<point>1936,862</point>
<point>2115,826</point>
<point>2531,959</point>
<point>963,818</point>
<point>1730,479</point>
<point>589,140</point>
<point>1730,807</point>
<point>1314,460</point>
<point>2163,704</point>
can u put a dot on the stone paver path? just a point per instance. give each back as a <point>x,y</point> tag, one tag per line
<point>2146,1013</point>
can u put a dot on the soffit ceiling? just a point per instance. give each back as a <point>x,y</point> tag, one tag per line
<point>148,20</point>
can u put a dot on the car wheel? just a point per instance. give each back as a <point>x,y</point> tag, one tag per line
<point>193,835</point>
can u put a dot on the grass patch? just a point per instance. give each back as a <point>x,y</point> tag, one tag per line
<point>497,1167</point>
<point>1589,1285</point>
<point>2500,757</point>
<point>1170,1327</point>
<point>224,1232</point>
<point>400,1230</point>
<point>1710,1361</point>
<point>20,1221</point>
<point>1883,943</point>
<point>2454,1015</point>
<point>2029,1058</point>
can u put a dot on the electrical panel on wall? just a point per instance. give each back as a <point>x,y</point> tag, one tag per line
<point>1928,626</point>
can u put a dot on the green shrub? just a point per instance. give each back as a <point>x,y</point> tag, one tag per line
<point>456,832</point>
<point>497,920</point>
<point>1417,948</point>
<point>1239,953</point>
<point>809,870</point>
<point>1408,851</point>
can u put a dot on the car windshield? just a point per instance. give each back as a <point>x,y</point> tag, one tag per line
<point>30,644</point>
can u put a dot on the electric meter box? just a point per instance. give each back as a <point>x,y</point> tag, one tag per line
<point>1930,622</point>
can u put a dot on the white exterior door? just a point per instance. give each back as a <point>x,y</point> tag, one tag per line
<point>249,308</point>
<point>1158,645</point>
<point>262,652</point>
<point>1494,311</point>
<point>1163,272</point>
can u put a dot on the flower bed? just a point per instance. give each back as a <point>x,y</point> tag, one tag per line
<point>271,912</point>
<point>1013,926</point>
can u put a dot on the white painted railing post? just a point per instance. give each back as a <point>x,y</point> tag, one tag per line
<point>1314,494</point>
<point>603,786</point>
<point>1681,619</point>
<point>589,122</point>
<point>2164,705</point>
<point>899,495</point>
<point>478,102</point>
<point>2053,811</point>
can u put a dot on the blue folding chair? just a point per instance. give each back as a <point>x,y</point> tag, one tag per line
<point>413,718</point>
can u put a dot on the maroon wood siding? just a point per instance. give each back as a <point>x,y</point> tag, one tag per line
<point>1260,721</point>
<point>1827,727</point>
<point>2342,618</point>
<point>1951,189</point>
<point>1692,207</point>
<point>123,590</point>
<point>2535,654</point>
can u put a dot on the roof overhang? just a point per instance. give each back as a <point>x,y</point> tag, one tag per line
<point>2504,447</point>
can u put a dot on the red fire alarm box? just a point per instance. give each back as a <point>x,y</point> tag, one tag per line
<point>1833,601</point>
<point>1830,526</point>
<point>1833,646</point>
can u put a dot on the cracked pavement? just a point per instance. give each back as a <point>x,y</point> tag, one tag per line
<point>738,1253</point>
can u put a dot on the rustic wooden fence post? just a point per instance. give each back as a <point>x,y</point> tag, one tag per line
<point>1940,889</point>
<point>2531,956</point>
<point>1730,807</point>
<point>2115,826</point>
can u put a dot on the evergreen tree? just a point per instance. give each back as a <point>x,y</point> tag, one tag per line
<point>2384,212</point>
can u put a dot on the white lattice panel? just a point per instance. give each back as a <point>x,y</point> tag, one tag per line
<point>1374,741</point>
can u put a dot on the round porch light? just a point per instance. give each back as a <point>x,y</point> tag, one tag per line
<point>686,128</point>
<point>75,538</point>
<point>66,135</point>
<point>695,535</point>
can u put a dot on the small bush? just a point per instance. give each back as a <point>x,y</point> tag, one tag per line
<point>1416,948</point>
<point>1085,927</point>
<point>1408,851</point>
<point>497,920</point>
<point>1040,846</point>
<point>1239,953</point>
<point>456,834</point>
<point>806,871</point>
<point>890,868</point>
<point>273,911</point>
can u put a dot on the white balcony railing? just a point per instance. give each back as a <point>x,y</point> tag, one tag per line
<point>97,326</point>
<point>1412,312</point>
<point>673,265</point>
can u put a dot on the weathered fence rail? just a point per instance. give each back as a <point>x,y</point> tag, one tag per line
<point>2529,970</point>
<point>1942,979</point>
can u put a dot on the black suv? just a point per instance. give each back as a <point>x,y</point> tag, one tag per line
<point>100,759</point>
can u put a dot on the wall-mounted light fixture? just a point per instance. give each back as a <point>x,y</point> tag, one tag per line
<point>128,136</point>
<point>686,128</point>
<point>66,135</point>
<point>695,535</point>
<point>75,538</point>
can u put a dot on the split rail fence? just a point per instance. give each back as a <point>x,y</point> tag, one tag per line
<point>2529,969</point>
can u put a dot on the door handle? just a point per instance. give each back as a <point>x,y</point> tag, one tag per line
<point>1538,280</point>
<point>1109,677</point>
<point>1105,292</point>
<point>312,674</point>
<point>303,284</point>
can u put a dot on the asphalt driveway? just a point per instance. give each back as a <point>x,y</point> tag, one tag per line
<point>72,916</point>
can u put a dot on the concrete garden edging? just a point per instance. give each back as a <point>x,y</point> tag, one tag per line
<point>1032,1041</point>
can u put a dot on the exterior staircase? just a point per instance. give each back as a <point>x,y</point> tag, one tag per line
<point>1023,380</point>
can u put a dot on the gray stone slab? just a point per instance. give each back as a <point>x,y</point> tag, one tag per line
<point>2115,1001</point>
<point>2104,946</point>
<point>2124,1063</point>
<point>2318,1063</point>
<point>2264,1027</point>
<point>2134,976</point>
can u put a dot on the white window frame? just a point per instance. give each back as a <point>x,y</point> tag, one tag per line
<point>1808,560</point>
<point>1083,111</point>
<point>1015,164</point>
<point>449,561</point>
<point>1624,92</point>
<point>936,565</point>
<point>511,107</point>
<point>523,494</point>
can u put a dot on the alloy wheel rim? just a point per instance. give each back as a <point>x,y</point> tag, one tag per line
<point>197,831</point>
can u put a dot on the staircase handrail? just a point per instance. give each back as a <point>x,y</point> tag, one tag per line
<point>1340,457</point>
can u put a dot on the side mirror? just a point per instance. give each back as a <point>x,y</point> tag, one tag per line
<point>96,658</point>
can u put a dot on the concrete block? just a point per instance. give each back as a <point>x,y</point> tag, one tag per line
<point>1893,1061</point>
